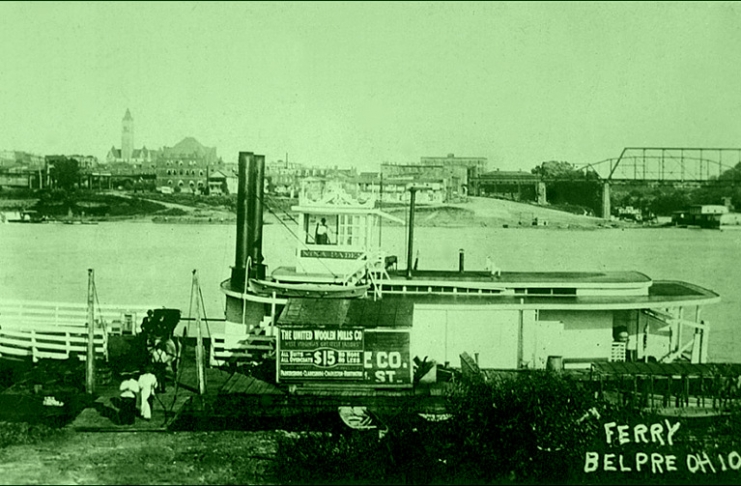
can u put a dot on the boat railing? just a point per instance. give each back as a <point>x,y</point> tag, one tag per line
<point>240,347</point>
<point>673,388</point>
<point>368,263</point>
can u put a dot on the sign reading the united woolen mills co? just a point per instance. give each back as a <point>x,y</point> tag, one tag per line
<point>379,357</point>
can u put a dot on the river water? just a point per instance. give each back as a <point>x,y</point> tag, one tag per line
<point>152,264</point>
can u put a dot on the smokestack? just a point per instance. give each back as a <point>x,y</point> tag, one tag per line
<point>461,256</point>
<point>410,248</point>
<point>243,223</point>
<point>256,235</point>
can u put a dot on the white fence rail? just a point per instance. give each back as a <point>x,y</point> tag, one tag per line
<point>50,343</point>
<point>56,330</point>
<point>117,318</point>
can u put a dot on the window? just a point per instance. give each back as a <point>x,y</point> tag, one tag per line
<point>351,230</point>
<point>320,229</point>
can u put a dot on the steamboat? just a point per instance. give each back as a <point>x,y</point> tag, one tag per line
<point>345,322</point>
<point>505,320</point>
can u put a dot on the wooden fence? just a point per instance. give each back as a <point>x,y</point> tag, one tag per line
<point>58,330</point>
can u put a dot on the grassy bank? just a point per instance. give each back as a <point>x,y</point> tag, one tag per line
<point>527,428</point>
<point>142,458</point>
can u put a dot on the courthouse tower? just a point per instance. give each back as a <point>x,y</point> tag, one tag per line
<point>127,136</point>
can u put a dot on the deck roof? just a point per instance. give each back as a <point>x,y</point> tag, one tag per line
<point>525,277</point>
<point>396,310</point>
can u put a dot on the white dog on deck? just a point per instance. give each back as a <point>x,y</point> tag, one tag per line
<point>491,267</point>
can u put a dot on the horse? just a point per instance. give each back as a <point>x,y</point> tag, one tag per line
<point>163,353</point>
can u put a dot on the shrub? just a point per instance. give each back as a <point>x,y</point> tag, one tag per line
<point>523,427</point>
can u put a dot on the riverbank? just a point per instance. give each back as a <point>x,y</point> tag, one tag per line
<point>191,209</point>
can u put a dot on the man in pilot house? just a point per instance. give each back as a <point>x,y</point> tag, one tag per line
<point>322,233</point>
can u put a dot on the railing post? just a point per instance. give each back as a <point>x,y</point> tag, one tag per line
<point>33,346</point>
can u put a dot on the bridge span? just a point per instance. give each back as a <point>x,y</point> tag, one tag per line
<point>666,165</point>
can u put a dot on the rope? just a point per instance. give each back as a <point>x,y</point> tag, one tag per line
<point>203,308</point>
<point>97,301</point>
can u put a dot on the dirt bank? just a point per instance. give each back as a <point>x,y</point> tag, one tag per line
<point>478,211</point>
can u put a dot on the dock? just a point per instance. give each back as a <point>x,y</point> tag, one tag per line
<point>102,416</point>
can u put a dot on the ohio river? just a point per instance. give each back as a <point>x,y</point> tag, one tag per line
<point>151,264</point>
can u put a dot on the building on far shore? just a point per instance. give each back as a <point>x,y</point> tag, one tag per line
<point>514,185</point>
<point>142,158</point>
<point>187,164</point>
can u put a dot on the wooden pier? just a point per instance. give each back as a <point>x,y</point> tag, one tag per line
<point>102,416</point>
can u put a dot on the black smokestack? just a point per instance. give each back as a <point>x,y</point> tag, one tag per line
<point>410,246</point>
<point>257,213</point>
<point>243,222</point>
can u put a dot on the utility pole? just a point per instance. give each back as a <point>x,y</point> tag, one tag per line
<point>90,361</point>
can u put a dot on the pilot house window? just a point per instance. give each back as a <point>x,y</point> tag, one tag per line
<point>320,229</point>
<point>351,230</point>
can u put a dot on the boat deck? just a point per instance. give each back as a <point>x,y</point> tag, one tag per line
<point>290,274</point>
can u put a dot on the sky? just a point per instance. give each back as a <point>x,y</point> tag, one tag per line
<point>357,84</point>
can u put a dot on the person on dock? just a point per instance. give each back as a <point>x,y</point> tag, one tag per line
<point>162,355</point>
<point>147,324</point>
<point>129,390</point>
<point>147,385</point>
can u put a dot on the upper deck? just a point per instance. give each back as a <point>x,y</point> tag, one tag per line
<point>398,310</point>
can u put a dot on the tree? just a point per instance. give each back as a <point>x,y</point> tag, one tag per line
<point>64,172</point>
<point>555,170</point>
<point>567,185</point>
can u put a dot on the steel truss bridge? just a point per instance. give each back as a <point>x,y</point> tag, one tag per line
<point>668,165</point>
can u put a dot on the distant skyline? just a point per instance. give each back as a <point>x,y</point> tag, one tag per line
<point>353,83</point>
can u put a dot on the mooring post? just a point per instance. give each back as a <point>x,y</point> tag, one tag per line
<point>90,358</point>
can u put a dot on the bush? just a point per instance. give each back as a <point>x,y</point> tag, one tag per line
<point>524,427</point>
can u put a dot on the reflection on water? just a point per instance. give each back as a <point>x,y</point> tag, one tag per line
<point>152,264</point>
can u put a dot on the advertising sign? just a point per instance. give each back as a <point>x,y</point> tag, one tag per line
<point>374,357</point>
<point>386,359</point>
<point>320,354</point>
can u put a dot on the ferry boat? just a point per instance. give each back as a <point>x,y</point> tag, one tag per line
<point>344,316</point>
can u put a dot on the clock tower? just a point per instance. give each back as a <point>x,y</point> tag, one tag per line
<point>127,136</point>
